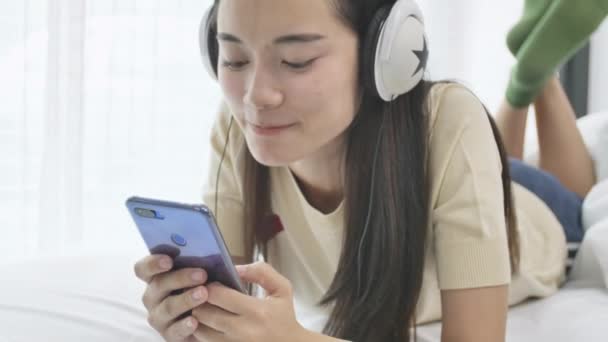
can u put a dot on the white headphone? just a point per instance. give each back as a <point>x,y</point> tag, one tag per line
<point>395,45</point>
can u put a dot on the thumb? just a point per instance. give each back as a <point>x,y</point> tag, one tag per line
<point>267,277</point>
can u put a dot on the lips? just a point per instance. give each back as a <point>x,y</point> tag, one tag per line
<point>266,126</point>
<point>269,129</point>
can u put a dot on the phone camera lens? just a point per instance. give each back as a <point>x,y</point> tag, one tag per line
<point>178,240</point>
<point>145,212</point>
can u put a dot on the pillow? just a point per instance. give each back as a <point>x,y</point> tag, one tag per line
<point>590,268</point>
<point>594,129</point>
<point>591,262</point>
<point>595,205</point>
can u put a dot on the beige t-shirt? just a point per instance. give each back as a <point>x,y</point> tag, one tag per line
<point>467,240</point>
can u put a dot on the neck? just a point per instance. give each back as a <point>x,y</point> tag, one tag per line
<point>320,176</point>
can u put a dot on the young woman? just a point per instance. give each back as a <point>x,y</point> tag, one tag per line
<point>379,214</point>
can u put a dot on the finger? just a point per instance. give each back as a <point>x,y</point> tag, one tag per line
<point>164,284</point>
<point>267,277</point>
<point>152,265</point>
<point>216,318</point>
<point>230,299</point>
<point>175,306</point>
<point>182,329</point>
<point>206,334</point>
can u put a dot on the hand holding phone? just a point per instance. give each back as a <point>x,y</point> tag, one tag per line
<point>186,233</point>
<point>187,251</point>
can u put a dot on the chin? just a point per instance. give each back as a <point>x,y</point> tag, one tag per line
<point>272,156</point>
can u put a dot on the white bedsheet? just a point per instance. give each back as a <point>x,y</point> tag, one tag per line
<point>88,297</point>
<point>95,297</point>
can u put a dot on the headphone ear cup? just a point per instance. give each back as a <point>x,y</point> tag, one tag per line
<point>208,43</point>
<point>370,47</point>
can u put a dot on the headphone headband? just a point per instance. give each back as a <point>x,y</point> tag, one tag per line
<point>204,41</point>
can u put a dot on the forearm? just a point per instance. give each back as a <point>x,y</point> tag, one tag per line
<point>495,336</point>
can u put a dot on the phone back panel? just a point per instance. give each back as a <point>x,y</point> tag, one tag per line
<point>186,233</point>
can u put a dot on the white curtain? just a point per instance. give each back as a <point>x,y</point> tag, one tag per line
<point>467,43</point>
<point>100,100</point>
<point>104,99</point>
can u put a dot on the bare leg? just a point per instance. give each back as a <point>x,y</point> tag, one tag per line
<point>511,123</point>
<point>562,151</point>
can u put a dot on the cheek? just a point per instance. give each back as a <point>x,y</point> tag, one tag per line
<point>232,86</point>
<point>329,95</point>
<point>233,91</point>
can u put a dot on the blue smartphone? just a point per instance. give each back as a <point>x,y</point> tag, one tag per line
<point>188,233</point>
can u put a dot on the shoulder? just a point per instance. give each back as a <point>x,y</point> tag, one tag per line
<point>453,107</point>
<point>457,118</point>
<point>461,143</point>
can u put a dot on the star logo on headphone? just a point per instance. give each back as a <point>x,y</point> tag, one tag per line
<point>423,56</point>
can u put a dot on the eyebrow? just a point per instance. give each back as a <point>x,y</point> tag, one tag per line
<point>288,39</point>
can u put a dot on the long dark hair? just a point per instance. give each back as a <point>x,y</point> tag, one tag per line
<point>393,252</point>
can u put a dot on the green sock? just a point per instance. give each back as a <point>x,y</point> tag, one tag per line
<point>561,31</point>
<point>533,11</point>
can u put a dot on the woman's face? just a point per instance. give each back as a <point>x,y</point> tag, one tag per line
<point>288,71</point>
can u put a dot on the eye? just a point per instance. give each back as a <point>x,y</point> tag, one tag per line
<point>234,66</point>
<point>299,66</point>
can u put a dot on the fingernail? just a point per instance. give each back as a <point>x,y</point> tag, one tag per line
<point>197,294</point>
<point>189,323</point>
<point>165,263</point>
<point>197,276</point>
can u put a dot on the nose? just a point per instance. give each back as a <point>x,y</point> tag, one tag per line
<point>263,91</point>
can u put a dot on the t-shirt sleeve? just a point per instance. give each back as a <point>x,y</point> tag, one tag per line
<point>229,213</point>
<point>470,238</point>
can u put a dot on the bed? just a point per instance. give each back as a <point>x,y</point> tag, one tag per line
<point>95,297</point>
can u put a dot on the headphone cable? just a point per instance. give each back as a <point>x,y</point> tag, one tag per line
<point>219,168</point>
